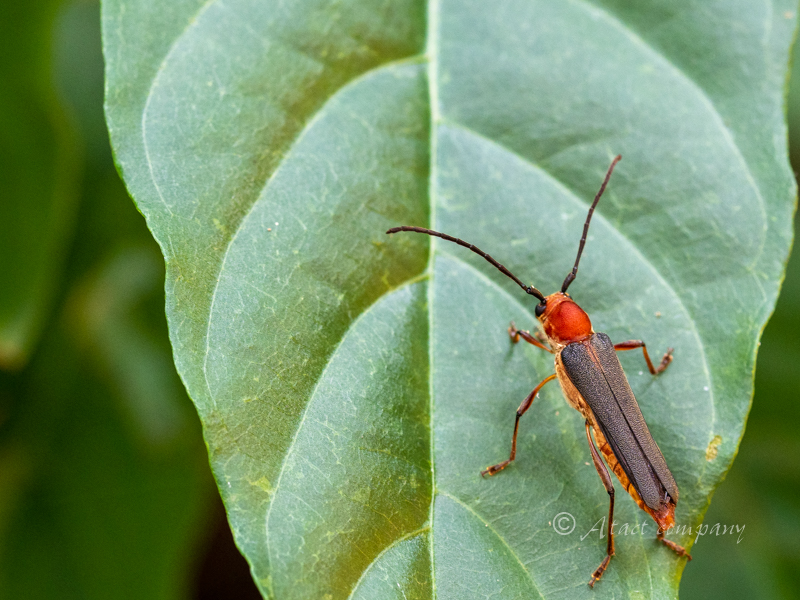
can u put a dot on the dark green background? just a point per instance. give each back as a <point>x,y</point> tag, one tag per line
<point>105,490</point>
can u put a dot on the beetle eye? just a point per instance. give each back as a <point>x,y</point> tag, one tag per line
<point>540,309</point>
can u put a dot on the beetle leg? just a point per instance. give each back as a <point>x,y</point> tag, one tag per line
<point>515,334</point>
<point>606,478</point>
<point>526,404</point>
<point>679,550</point>
<point>633,344</point>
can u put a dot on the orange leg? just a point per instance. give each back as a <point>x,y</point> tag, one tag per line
<point>633,344</point>
<point>606,478</point>
<point>526,404</point>
<point>679,550</point>
<point>515,334</point>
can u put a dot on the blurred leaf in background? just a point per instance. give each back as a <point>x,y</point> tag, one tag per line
<point>39,172</point>
<point>105,490</point>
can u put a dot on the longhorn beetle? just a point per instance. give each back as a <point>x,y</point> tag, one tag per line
<point>593,383</point>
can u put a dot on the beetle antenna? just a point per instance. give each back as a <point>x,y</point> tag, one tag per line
<point>571,277</point>
<point>528,288</point>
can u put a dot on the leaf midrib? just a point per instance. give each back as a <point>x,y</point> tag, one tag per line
<point>432,53</point>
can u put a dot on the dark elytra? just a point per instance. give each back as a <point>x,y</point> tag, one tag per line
<point>609,395</point>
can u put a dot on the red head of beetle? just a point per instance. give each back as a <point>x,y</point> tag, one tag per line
<point>563,320</point>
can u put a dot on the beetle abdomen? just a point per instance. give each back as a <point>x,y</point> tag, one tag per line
<point>594,369</point>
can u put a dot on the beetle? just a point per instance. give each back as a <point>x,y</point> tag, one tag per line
<point>593,382</point>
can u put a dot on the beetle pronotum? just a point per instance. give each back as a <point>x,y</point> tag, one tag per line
<point>593,383</point>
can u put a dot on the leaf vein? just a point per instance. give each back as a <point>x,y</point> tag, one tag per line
<point>306,128</point>
<point>727,134</point>
<point>331,358</point>
<point>491,528</point>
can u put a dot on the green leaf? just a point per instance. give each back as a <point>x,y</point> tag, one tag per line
<point>352,385</point>
<point>37,180</point>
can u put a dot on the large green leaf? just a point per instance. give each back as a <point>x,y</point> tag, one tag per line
<point>352,386</point>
